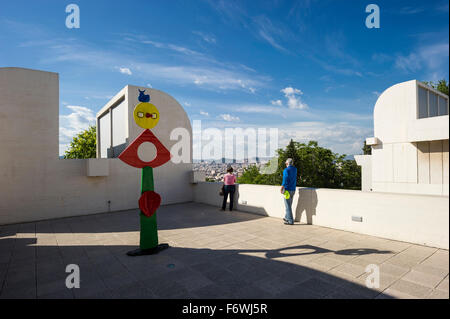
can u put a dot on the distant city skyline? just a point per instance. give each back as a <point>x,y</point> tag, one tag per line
<point>312,69</point>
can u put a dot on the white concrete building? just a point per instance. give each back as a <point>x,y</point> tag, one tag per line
<point>410,142</point>
<point>35,184</point>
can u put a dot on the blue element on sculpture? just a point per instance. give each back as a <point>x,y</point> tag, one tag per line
<point>143,97</point>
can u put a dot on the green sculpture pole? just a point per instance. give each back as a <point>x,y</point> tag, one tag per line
<point>149,229</point>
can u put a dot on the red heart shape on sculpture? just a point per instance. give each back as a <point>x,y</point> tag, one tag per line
<point>149,203</point>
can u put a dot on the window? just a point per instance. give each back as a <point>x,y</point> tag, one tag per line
<point>119,128</point>
<point>443,106</point>
<point>433,104</point>
<point>105,135</point>
<point>430,104</point>
<point>423,103</point>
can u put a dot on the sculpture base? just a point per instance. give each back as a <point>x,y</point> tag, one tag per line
<point>150,251</point>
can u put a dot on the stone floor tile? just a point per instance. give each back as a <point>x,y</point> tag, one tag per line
<point>424,279</point>
<point>212,291</point>
<point>410,288</point>
<point>350,269</point>
<point>61,294</point>
<point>324,263</point>
<point>419,251</point>
<point>443,285</point>
<point>404,260</point>
<point>391,293</point>
<point>438,294</point>
<point>440,272</point>
<point>352,291</point>
<point>385,281</point>
<point>319,286</point>
<point>274,285</point>
<point>299,292</point>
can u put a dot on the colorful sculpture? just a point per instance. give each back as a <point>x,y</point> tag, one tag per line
<point>146,115</point>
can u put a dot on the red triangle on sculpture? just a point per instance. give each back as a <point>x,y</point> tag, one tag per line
<point>130,154</point>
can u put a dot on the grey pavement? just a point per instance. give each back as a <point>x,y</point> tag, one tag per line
<point>213,254</point>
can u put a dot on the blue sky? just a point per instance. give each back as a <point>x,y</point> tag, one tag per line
<point>310,68</point>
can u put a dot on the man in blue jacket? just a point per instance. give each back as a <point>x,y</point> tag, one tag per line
<point>289,184</point>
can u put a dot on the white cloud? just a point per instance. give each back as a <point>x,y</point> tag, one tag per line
<point>77,121</point>
<point>206,37</point>
<point>201,70</point>
<point>293,97</point>
<point>277,103</point>
<point>410,10</point>
<point>341,138</point>
<point>63,148</point>
<point>430,58</point>
<point>204,113</point>
<point>149,85</point>
<point>187,104</point>
<point>172,47</point>
<point>229,118</point>
<point>262,109</point>
<point>125,71</point>
<point>270,32</point>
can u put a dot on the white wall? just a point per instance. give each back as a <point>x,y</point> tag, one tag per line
<point>419,219</point>
<point>395,116</point>
<point>365,161</point>
<point>35,184</point>
<point>399,162</point>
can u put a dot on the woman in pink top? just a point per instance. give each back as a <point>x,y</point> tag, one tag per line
<point>229,179</point>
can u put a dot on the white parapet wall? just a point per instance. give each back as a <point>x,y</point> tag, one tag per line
<point>419,219</point>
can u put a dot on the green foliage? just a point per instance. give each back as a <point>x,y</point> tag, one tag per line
<point>316,167</point>
<point>349,175</point>
<point>83,145</point>
<point>441,85</point>
<point>367,150</point>
<point>249,175</point>
<point>209,179</point>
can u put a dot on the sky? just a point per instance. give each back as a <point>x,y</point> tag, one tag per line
<point>310,68</point>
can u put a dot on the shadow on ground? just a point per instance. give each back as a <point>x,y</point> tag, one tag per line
<point>175,216</point>
<point>31,271</point>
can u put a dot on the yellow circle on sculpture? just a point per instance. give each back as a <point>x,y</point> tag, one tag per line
<point>146,115</point>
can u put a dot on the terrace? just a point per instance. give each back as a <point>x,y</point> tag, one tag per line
<point>213,254</point>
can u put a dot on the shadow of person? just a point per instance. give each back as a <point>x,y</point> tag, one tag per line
<point>307,203</point>
<point>295,251</point>
<point>310,249</point>
<point>361,251</point>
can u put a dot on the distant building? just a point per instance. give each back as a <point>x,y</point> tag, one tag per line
<point>410,143</point>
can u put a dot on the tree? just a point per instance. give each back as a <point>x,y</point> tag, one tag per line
<point>83,145</point>
<point>350,175</point>
<point>367,150</point>
<point>441,85</point>
<point>316,167</point>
